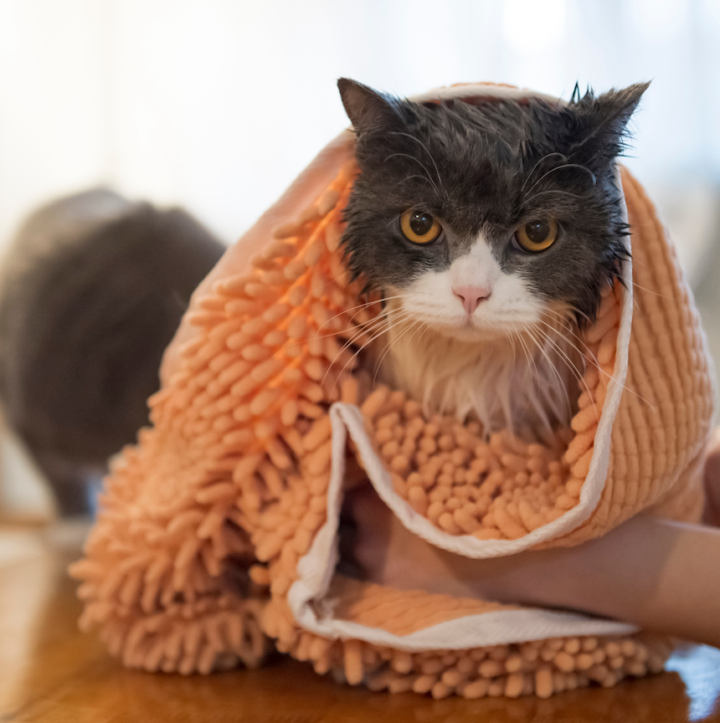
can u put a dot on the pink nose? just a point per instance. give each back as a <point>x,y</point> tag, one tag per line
<point>471,296</point>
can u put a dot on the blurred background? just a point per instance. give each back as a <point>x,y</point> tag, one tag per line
<point>216,105</point>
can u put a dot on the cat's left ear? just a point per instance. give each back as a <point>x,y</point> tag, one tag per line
<point>366,108</point>
<point>601,122</point>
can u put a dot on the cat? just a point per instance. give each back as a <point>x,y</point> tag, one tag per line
<point>490,228</point>
<point>93,290</point>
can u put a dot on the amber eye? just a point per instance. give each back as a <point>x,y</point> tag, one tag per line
<point>419,227</point>
<point>537,235</point>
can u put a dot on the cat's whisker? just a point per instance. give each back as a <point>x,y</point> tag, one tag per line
<point>359,306</point>
<point>388,327</point>
<point>568,323</point>
<point>553,367</point>
<point>532,399</point>
<point>511,339</point>
<point>556,191</point>
<point>583,354</point>
<point>532,364</point>
<point>588,356</point>
<point>420,163</point>
<point>422,178</point>
<point>572,311</point>
<point>650,291</point>
<point>585,351</point>
<point>528,355</point>
<point>368,328</point>
<point>349,343</point>
<point>534,168</point>
<point>553,342</point>
<point>413,325</point>
<point>533,361</point>
<point>373,338</point>
<point>561,167</point>
<point>359,331</point>
<point>536,401</point>
<point>425,148</point>
<point>592,359</point>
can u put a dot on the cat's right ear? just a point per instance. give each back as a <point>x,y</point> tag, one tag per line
<point>366,108</point>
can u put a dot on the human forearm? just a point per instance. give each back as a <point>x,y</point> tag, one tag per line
<point>661,575</point>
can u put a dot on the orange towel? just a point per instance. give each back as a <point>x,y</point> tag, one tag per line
<point>218,531</point>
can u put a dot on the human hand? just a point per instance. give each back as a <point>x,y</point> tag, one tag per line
<point>375,546</point>
<point>712,482</point>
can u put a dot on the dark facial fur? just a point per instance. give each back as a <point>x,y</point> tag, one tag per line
<point>488,167</point>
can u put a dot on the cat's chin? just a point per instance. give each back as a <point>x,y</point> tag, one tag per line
<point>470,333</point>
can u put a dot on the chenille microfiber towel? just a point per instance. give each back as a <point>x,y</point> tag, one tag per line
<point>217,536</point>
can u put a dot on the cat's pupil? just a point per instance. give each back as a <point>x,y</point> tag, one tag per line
<point>537,231</point>
<point>421,222</point>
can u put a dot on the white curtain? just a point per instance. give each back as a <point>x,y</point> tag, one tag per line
<point>217,104</point>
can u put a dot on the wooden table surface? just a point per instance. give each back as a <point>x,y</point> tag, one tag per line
<point>51,672</point>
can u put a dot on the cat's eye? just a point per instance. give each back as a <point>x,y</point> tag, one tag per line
<point>419,226</point>
<point>537,235</point>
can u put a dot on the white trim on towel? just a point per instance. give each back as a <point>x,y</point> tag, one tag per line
<point>314,611</point>
<point>307,596</point>
<point>486,90</point>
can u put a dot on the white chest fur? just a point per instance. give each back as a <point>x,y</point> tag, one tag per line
<point>526,383</point>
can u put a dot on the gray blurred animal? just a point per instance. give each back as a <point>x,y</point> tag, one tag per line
<point>94,288</point>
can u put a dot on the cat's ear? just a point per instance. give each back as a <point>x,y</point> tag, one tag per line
<point>601,121</point>
<point>365,107</point>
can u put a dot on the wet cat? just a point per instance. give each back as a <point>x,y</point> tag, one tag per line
<point>490,228</point>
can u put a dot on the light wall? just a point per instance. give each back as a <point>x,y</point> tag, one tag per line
<point>217,104</point>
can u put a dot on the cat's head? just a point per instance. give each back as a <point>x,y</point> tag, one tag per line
<point>482,217</point>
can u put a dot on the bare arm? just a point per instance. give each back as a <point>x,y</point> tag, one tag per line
<point>663,576</point>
